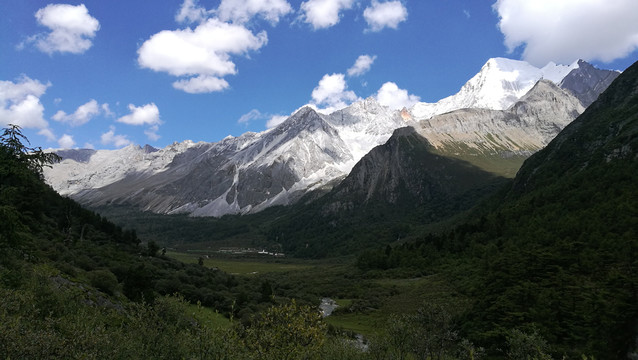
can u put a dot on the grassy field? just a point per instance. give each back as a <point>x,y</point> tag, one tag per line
<point>208,316</point>
<point>373,300</point>
<point>241,266</point>
<point>406,296</point>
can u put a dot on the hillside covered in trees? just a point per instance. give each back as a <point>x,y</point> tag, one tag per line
<point>554,252</point>
<point>544,269</point>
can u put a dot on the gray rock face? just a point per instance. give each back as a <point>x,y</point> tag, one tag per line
<point>79,155</point>
<point>524,128</point>
<point>587,82</point>
<point>311,151</point>
<point>414,166</point>
<point>235,175</point>
<point>407,172</point>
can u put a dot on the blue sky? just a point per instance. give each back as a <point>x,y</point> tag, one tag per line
<point>105,74</point>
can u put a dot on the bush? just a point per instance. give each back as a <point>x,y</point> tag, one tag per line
<point>103,280</point>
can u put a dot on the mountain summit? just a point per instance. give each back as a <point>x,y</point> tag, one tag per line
<point>506,111</point>
<point>500,83</point>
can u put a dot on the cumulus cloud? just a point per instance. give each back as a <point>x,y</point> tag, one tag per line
<point>20,103</point>
<point>323,14</point>
<point>66,141</point>
<point>236,11</point>
<point>143,115</point>
<point>201,84</point>
<point>332,93</point>
<point>107,110</point>
<point>191,12</point>
<point>253,114</point>
<point>47,133</point>
<point>362,65</point>
<point>241,11</point>
<point>385,14</point>
<point>110,138</point>
<point>71,29</point>
<point>151,133</point>
<point>81,116</point>
<point>566,30</point>
<point>203,54</point>
<point>392,96</point>
<point>275,120</point>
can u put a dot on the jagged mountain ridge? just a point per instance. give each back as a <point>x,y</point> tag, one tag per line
<point>411,167</point>
<point>527,126</point>
<point>244,174</point>
<point>406,170</point>
<point>586,82</point>
<point>500,83</point>
<point>253,171</point>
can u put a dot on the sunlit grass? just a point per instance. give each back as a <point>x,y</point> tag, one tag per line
<point>240,267</point>
<point>208,316</point>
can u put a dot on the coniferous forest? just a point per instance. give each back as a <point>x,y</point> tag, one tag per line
<point>547,267</point>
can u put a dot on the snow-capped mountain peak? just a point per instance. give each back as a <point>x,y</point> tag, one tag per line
<point>499,84</point>
<point>311,150</point>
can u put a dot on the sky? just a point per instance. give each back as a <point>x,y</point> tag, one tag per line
<point>107,74</point>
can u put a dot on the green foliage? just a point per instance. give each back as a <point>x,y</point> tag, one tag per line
<point>287,331</point>
<point>12,142</point>
<point>527,346</point>
<point>103,280</point>
<point>152,248</point>
<point>428,333</point>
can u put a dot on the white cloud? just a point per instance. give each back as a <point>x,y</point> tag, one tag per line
<point>204,52</point>
<point>201,84</point>
<point>242,11</point>
<point>72,29</point>
<point>66,141</point>
<point>81,116</point>
<point>114,139</point>
<point>275,120</point>
<point>253,114</point>
<point>332,93</point>
<point>236,11</point>
<point>190,12</point>
<point>143,115</point>
<point>385,14</point>
<point>324,13</point>
<point>566,30</point>
<point>48,133</point>
<point>152,134</point>
<point>362,65</point>
<point>20,103</point>
<point>107,110</point>
<point>392,96</point>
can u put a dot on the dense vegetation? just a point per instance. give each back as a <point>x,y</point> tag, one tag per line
<point>555,252</point>
<point>547,268</point>
<point>74,285</point>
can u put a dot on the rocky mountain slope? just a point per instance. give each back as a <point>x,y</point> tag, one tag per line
<point>311,151</point>
<point>421,164</point>
<point>406,170</point>
<point>586,82</point>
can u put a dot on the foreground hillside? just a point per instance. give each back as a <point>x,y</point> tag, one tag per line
<point>75,286</point>
<point>544,269</point>
<point>555,252</point>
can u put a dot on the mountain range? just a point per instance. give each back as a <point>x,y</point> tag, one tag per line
<point>508,111</point>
